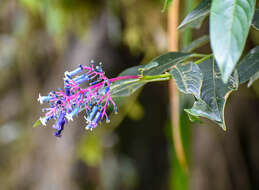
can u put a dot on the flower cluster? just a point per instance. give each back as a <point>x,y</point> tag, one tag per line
<point>94,98</point>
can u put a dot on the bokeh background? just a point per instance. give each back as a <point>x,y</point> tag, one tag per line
<point>40,39</point>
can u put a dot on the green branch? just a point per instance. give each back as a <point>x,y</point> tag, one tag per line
<point>203,59</point>
<point>150,78</point>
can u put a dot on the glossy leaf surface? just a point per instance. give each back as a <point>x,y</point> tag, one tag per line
<point>249,66</point>
<point>213,93</point>
<point>195,18</point>
<point>188,78</point>
<point>230,21</point>
<point>165,62</point>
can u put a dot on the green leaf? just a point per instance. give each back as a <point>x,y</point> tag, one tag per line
<point>255,22</point>
<point>132,71</point>
<point>214,93</point>
<point>249,66</point>
<point>165,62</point>
<point>195,18</point>
<point>37,123</point>
<point>196,44</point>
<point>166,4</point>
<point>188,78</point>
<point>230,21</point>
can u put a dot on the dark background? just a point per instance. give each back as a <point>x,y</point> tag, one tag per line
<point>40,39</point>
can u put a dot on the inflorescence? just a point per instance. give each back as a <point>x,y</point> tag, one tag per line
<point>94,99</point>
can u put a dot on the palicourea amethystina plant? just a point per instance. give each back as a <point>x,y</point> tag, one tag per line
<point>65,104</point>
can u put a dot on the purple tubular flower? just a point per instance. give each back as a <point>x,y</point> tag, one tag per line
<point>94,123</point>
<point>97,118</point>
<point>94,99</point>
<point>60,121</point>
<point>43,99</point>
<point>80,77</point>
<point>74,72</point>
<point>106,90</point>
<point>59,126</point>
<point>91,115</point>
<point>57,133</point>
<point>82,80</point>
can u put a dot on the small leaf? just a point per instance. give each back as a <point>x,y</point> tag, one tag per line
<point>131,71</point>
<point>249,66</point>
<point>150,66</point>
<point>255,22</point>
<point>166,4</point>
<point>196,44</point>
<point>165,62</point>
<point>214,93</point>
<point>195,18</point>
<point>37,123</point>
<point>229,25</point>
<point>188,78</point>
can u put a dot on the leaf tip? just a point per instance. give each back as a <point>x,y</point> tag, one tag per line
<point>225,74</point>
<point>224,127</point>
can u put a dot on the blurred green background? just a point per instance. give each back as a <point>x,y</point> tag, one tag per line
<point>40,39</point>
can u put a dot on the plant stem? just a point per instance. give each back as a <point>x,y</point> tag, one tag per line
<point>163,77</point>
<point>148,78</point>
<point>137,78</point>
<point>198,55</point>
<point>203,59</point>
<point>173,39</point>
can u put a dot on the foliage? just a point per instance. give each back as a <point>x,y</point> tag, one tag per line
<point>229,22</point>
<point>196,17</point>
<point>209,78</point>
<point>201,78</point>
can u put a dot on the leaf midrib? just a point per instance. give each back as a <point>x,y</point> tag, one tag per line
<point>214,89</point>
<point>231,26</point>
